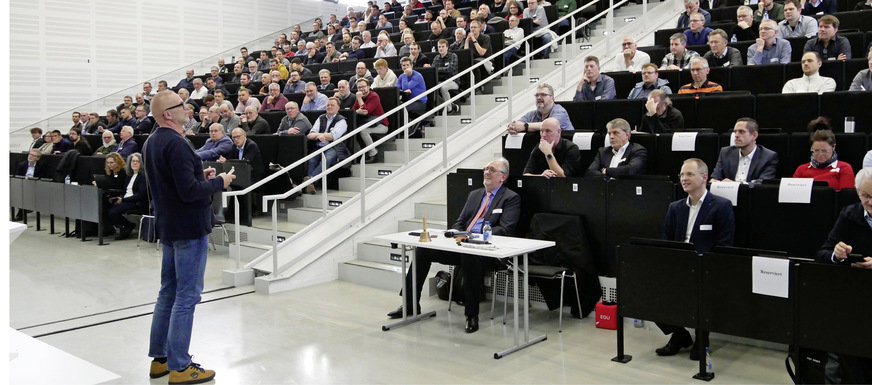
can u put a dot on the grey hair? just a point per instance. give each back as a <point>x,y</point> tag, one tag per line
<point>505,164</point>
<point>862,176</point>
<point>130,158</point>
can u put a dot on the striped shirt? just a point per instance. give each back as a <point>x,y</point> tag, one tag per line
<point>704,89</point>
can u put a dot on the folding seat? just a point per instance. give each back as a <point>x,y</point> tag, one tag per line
<point>624,82</point>
<point>742,46</point>
<point>661,36</point>
<point>758,79</point>
<point>852,148</point>
<point>852,67</point>
<point>838,105</point>
<point>797,228</point>
<point>634,214</point>
<point>797,46</point>
<point>586,198</point>
<point>790,112</point>
<point>649,141</point>
<point>597,141</point>
<point>669,162</point>
<point>858,41</point>
<point>687,105</point>
<point>390,99</point>
<point>720,112</point>
<point>581,115</point>
<point>720,75</point>
<point>606,110</point>
<point>674,77</point>
<point>518,157</point>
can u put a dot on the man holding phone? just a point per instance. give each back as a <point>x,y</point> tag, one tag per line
<point>850,240</point>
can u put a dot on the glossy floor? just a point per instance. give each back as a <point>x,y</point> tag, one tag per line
<point>94,302</point>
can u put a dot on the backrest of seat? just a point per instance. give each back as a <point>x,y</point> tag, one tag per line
<point>581,115</point>
<point>758,79</point>
<point>806,225</point>
<point>669,162</point>
<point>635,208</point>
<point>566,190</point>
<point>630,110</point>
<point>624,82</point>
<point>790,112</point>
<point>655,52</point>
<point>838,105</point>
<point>720,112</point>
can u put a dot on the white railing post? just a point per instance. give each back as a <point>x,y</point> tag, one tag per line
<point>362,188</point>
<point>323,184</point>
<point>472,92</point>
<point>645,14</point>
<point>275,231</point>
<point>407,135</point>
<point>444,135</point>
<point>237,230</point>
<point>511,94</point>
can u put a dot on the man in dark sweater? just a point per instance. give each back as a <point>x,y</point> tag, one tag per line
<point>181,192</point>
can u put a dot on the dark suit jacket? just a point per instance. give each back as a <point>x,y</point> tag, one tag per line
<point>704,4</point>
<point>851,228</point>
<point>503,212</point>
<point>633,163</point>
<point>22,169</point>
<point>764,165</point>
<point>250,154</point>
<point>140,191</point>
<point>126,148</point>
<point>143,127</point>
<point>714,225</point>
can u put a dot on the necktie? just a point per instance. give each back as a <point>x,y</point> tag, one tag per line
<point>481,211</point>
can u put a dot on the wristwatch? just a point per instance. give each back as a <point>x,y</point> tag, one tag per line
<point>526,126</point>
<point>549,156</point>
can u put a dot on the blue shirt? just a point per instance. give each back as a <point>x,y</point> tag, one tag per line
<point>779,52</point>
<point>605,89</point>
<point>290,88</point>
<point>476,228</point>
<point>211,150</point>
<point>317,104</point>
<point>557,112</point>
<point>414,83</point>
<point>697,38</point>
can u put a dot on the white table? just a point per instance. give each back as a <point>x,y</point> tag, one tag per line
<point>504,247</point>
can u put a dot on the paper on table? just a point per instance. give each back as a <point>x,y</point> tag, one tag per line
<point>770,276</point>
<point>684,141</point>
<point>582,140</point>
<point>795,190</point>
<point>515,141</point>
<point>729,190</point>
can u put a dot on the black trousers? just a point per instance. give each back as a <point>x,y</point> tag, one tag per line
<point>473,275</point>
<point>678,330</point>
<point>114,214</point>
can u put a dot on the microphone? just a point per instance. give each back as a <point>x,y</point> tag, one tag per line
<point>455,233</point>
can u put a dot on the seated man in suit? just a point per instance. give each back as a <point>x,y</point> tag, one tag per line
<point>493,203</point>
<point>745,162</point>
<point>555,156</point>
<point>621,157</point>
<point>143,123</point>
<point>253,124</point>
<point>30,168</point>
<point>247,150</point>
<point>217,145</point>
<point>127,145</point>
<point>703,219</point>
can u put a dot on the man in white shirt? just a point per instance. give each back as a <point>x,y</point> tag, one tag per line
<point>795,24</point>
<point>199,91</point>
<point>811,81</point>
<point>367,40</point>
<point>630,59</point>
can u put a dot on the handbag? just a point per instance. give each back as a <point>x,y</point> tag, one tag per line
<point>147,231</point>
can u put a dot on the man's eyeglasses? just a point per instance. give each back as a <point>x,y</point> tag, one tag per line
<point>491,169</point>
<point>177,105</point>
<point>541,95</point>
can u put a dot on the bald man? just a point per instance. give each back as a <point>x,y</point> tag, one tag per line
<point>183,224</point>
<point>245,149</point>
<point>555,156</point>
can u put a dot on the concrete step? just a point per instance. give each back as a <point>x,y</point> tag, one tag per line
<point>335,198</point>
<point>434,211</point>
<point>248,251</point>
<point>394,156</point>
<point>381,252</point>
<point>376,170</point>
<point>353,184</point>
<point>305,215</point>
<point>455,122</point>
<point>417,224</point>
<point>384,276</point>
<point>421,144</point>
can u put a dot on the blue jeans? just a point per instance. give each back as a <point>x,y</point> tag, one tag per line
<point>315,163</point>
<point>181,282</point>
<point>508,55</point>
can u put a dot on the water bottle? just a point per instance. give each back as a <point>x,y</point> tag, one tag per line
<point>765,15</point>
<point>638,323</point>
<point>733,39</point>
<point>486,232</point>
<point>67,180</point>
<point>708,361</point>
<point>747,2</point>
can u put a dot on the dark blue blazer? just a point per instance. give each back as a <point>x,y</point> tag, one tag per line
<point>633,163</point>
<point>180,194</point>
<point>22,169</point>
<point>714,226</point>
<point>140,191</point>
<point>126,148</point>
<point>764,164</point>
<point>143,127</point>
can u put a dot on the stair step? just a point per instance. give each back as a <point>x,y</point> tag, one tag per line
<point>248,251</point>
<point>305,215</point>
<point>384,276</point>
<point>394,156</point>
<point>381,252</point>
<point>353,183</point>
<point>434,211</point>
<point>376,170</point>
<point>412,224</point>
<point>334,198</point>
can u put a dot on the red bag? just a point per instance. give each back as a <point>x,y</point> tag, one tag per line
<point>607,315</point>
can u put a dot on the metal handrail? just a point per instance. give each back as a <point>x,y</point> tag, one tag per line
<point>361,153</point>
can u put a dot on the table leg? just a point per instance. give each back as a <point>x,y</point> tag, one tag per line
<point>527,340</point>
<point>407,318</point>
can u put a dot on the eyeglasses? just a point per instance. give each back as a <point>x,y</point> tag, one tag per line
<point>236,136</point>
<point>177,105</point>
<point>491,169</point>
<point>824,151</point>
<point>696,21</point>
<point>767,29</point>
<point>649,72</point>
<point>541,95</point>
<point>865,197</point>
<point>686,174</point>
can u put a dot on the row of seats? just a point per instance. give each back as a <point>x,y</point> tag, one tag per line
<point>719,111</point>
<point>726,19</point>
<point>615,211</point>
<point>793,150</point>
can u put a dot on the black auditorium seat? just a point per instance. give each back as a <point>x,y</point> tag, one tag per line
<point>838,105</point>
<point>581,115</point>
<point>790,112</point>
<point>624,82</point>
<point>758,79</point>
<point>797,228</point>
<point>720,112</point>
<point>606,110</point>
<point>669,162</point>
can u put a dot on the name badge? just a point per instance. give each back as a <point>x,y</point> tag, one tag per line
<point>835,170</point>
<point>498,211</point>
<point>705,227</point>
<point>773,60</point>
<point>598,98</point>
<point>623,160</point>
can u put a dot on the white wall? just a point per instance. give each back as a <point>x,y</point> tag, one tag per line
<point>65,54</point>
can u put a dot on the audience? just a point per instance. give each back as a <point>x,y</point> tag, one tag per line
<point>545,108</point>
<point>746,27</point>
<point>698,33</point>
<point>133,199</point>
<point>252,123</point>
<point>691,7</point>
<point>593,84</point>
<point>385,77</point>
<point>127,145</point>
<point>769,49</point>
<point>769,10</point>
<point>293,123</point>
<point>555,156</point>
<point>660,116</point>
<point>679,56</point>
<point>630,58</point>
<point>368,107</point>
<point>329,127</point>
<point>828,44</point>
<point>650,81</point>
<point>721,55</point>
<point>445,64</point>
<point>745,161</point>
<point>107,146</point>
<point>811,80</point>
<point>795,24</point>
<point>411,84</point>
<point>313,101</point>
<point>620,157</point>
<point>818,7</point>
<point>217,145</point>
<point>863,80</point>
<point>824,163</point>
<point>699,70</point>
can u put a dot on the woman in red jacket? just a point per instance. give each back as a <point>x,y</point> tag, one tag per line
<point>824,163</point>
